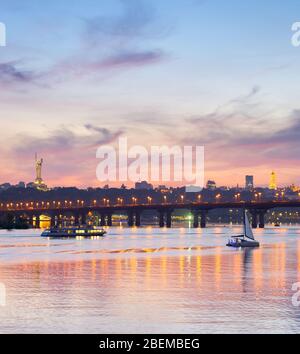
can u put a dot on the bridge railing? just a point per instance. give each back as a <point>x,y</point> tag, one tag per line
<point>70,205</point>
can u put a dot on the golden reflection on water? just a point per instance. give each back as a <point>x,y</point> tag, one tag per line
<point>185,286</point>
<point>213,270</point>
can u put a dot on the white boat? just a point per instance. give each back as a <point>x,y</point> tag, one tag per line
<point>245,240</point>
<point>71,232</point>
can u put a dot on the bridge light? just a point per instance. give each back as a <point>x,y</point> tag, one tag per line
<point>134,200</point>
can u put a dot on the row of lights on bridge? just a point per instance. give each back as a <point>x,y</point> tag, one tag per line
<point>105,202</point>
<point>120,201</point>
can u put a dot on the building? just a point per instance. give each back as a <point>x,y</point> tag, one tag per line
<point>20,185</point>
<point>211,185</point>
<point>5,186</point>
<point>273,181</point>
<point>143,186</point>
<point>249,183</point>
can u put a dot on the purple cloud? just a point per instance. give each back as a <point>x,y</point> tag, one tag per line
<point>10,73</point>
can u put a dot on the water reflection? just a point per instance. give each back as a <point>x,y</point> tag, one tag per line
<point>172,285</point>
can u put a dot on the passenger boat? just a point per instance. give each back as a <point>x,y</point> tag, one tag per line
<point>245,240</point>
<point>73,232</point>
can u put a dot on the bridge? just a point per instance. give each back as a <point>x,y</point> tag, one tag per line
<point>79,211</point>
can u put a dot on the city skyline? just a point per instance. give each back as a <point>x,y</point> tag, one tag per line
<point>249,184</point>
<point>196,69</point>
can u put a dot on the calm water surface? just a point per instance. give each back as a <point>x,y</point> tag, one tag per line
<point>150,281</point>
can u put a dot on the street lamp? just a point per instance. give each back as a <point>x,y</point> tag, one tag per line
<point>259,194</point>
<point>119,201</point>
<point>134,200</point>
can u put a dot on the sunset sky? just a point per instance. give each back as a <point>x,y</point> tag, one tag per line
<point>78,74</point>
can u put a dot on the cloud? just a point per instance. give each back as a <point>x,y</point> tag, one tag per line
<point>136,21</point>
<point>109,64</point>
<point>11,73</point>
<point>239,133</point>
<point>108,45</point>
<point>132,59</point>
<point>64,140</point>
<point>70,155</point>
<point>115,43</point>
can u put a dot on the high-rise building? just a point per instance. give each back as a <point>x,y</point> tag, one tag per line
<point>249,182</point>
<point>273,181</point>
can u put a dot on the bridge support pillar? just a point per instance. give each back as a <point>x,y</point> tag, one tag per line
<point>52,221</point>
<point>30,222</point>
<point>161,219</point>
<point>203,219</point>
<point>130,219</point>
<point>169,219</point>
<point>109,219</point>
<point>262,219</point>
<point>254,219</point>
<point>83,219</point>
<point>37,222</point>
<point>76,219</point>
<point>137,219</point>
<point>102,220</point>
<point>196,219</point>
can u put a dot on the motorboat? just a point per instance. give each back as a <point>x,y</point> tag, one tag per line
<point>73,232</point>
